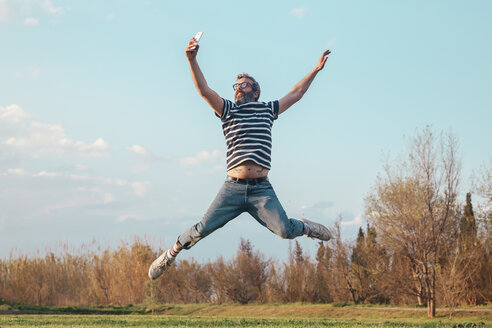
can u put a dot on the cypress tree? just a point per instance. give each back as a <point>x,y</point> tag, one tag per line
<point>468,227</point>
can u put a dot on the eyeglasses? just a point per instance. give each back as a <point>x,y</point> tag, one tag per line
<point>241,85</point>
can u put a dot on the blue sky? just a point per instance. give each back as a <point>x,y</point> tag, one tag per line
<point>102,134</point>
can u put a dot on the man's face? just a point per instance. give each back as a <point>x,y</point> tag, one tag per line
<point>244,95</point>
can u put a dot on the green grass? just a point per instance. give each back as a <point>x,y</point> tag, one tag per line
<point>185,321</point>
<point>233,315</point>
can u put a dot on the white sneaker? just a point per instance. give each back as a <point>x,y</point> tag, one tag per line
<point>317,230</point>
<point>160,265</point>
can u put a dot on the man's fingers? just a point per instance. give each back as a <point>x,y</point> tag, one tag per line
<point>324,58</point>
<point>325,54</point>
<point>192,48</point>
<point>192,45</point>
<point>192,42</point>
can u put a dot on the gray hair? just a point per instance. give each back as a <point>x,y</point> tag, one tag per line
<point>256,85</point>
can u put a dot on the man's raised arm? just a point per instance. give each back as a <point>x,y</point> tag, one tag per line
<point>213,99</point>
<point>296,93</point>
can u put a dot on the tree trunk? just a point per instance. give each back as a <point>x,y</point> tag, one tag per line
<point>421,292</point>
<point>431,308</point>
<point>431,304</point>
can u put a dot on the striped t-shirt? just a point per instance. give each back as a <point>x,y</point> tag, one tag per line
<point>248,132</point>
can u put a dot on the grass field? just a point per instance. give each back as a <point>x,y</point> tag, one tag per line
<point>231,315</point>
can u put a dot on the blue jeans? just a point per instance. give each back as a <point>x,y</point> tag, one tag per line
<point>235,198</point>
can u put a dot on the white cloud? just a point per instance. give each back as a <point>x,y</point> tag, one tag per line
<point>97,148</point>
<point>73,197</point>
<point>31,21</point>
<point>357,221</point>
<point>50,9</point>
<point>18,171</point>
<point>202,157</point>
<point>141,188</point>
<point>321,210</point>
<point>299,12</point>
<point>81,177</point>
<point>81,167</point>
<point>319,206</point>
<point>35,72</point>
<point>101,196</point>
<point>120,182</point>
<point>214,161</point>
<point>47,174</point>
<point>11,11</point>
<point>103,180</point>
<point>81,197</point>
<point>108,198</point>
<point>4,11</point>
<point>63,205</point>
<point>139,150</point>
<point>126,217</point>
<point>12,114</point>
<point>37,139</point>
<point>110,16</point>
<point>145,158</point>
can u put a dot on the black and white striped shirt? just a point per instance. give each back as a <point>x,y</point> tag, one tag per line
<point>248,132</point>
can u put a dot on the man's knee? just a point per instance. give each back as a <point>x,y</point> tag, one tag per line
<point>285,233</point>
<point>191,236</point>
<point>290,230</point>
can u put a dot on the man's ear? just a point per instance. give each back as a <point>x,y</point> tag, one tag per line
<point>257,95</point>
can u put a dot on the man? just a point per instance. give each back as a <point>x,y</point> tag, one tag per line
<point>247,127</point>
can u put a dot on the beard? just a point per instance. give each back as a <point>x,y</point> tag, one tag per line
<point>245,98</point>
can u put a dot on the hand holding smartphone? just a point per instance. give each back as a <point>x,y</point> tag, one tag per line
<point>197,38</point>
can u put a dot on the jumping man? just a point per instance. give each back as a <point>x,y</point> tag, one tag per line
<point>247,125</point>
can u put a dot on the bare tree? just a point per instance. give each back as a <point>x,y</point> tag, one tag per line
<point>483,187</point>
<point>249,274</point>
<point>458,275</point>
<point>342,287</point>
<point>242,279</point>
<point>414,205</point>
<point>483,182</point>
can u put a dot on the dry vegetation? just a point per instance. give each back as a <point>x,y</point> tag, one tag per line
<point>119,277</point>
<point>423,247</point>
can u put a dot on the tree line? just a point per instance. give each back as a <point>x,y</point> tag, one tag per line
<point>422,245</point>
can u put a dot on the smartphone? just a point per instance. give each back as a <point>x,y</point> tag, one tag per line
<point>197,37</point>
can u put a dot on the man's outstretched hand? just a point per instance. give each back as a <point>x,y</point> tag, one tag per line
<point>298,91</point>
<point>322,60</point>
<point>192,49</point>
